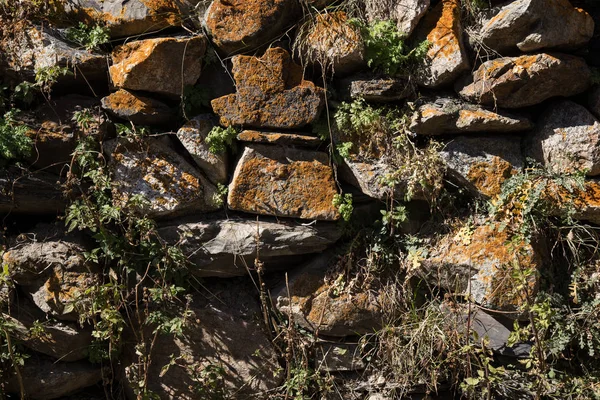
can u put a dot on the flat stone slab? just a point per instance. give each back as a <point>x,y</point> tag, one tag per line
<point>284,139</point>
<point>284,182</point>
<point>140,110</point>
<point>374,89</point>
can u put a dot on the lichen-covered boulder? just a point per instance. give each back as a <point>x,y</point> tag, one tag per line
<point>280,138</point>
<point>481,262</point>
<point>450,115</point>
<point>151,168</point>
<point>446,58</point>
<point>332,43</point>
<point>193,137</point>
<point>312,301</point>
<point>406,13</point>
<point>375,89</point>
<point>566,139</point>
<point>51,268</point>
<point>159,65</point>
<point>128,17</point>
<point>138,109</point>
<point>225,248</point>
<point>514,82</point>
<point>531,25</point>
<point>483,163</point>
<point>271,93</point>
<point>248,24</point>
<point>284,182</point>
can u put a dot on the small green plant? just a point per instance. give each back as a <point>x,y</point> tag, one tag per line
<point>343,149</point>
<point>46,77</point>
<point>219,139</point>
<point>14,142</point>
<point>194,99</point>
<point>90,37</point>
<point>386,49</point>
<point>344,205</point>
<point>220,195</point>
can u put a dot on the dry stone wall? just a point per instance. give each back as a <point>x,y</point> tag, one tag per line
<point>205,116</point>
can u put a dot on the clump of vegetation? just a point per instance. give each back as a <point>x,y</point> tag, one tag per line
<point>90,37</point>
<point>219,139</point>
<point>14,142</point>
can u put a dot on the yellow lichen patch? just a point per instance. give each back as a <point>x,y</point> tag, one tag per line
<point>444,37</point>
<point>124,100</point>
<point>488,177</point>
<point>332,37</point>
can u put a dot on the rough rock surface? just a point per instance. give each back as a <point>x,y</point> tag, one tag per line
<point>160,65</point>
<point>273,180</point>
<point>446,58</point>
<point>594,101</point>
<point>248,24</point>
<point>169,184</point>
<point>193,135</point>
<point>374,89</point>
<point>46,379</point>
<point>35,48</point>
<point>224,248</point>
<point>333,43</point>
<point>138,109</point>
<point>313,304</point>
<point>531,25</point>
<point>586,202</point>
<point>34,193</point>
<point>477,261</point>
<point>271,93</point>
<point>128,17</point>
<point>482,163</point>
<point>566,139</point>
<point>514,82</point>
<point>450,115</point>
<point>51,269</point>
<point>280,138</point>
<point>210,338</point>
<point>406,13</point>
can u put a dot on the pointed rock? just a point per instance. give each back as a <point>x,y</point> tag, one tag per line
<point>273,180</point>
<point>271,93</point>
<point>168,183</point>
<point>514,82</point>
<point>566,140</point>
<point>160,65</point>
<point>406,13</point>
<point>449,115</point>
<point>137,109</point>
<point>531,25</point>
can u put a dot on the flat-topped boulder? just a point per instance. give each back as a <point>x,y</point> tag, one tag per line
<point>283,182</point>
<point>514,82</point>
<point>140,110</point>
<point>375,89</point>
<point>280,138</point>
<point>271,93</point>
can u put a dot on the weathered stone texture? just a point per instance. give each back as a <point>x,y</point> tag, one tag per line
<point>284,182</point>
<point>138,109</point>
<point>406,13</point>
<point>374,89</point>
<point>271,93</point>
<point>160,65</point>
<point>514,82</point>
<point>279,138</point>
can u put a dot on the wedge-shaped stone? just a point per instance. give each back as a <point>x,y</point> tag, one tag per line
<point>160,65</point>
<point>450,115</point>
<point>566,140</point>
<point>151,168</point>
<point>531,25</point>
<point>406,13</point>
<point>514,82</point>
<point>483,163</point>
<point>224,248</point>
<point>138,109</point>
<point>193,137</point>
<point>280,138</point>
<point>446,58</point>
<point>376,89</point>
<point>271,93</point>
<point>283,182</point>
<point>248,24</point>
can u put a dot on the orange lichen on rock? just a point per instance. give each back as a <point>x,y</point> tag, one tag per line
<point>488,177</point>
<point>283,182</point>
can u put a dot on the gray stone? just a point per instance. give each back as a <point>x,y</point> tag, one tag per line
<point>483,163</point>
<point>193,137</point>
<point>159,65</point>
<point>532,25</point>
<point>138,109</point>
<point>212,337</point>
<point>31,193</point>
<point>308,300</point>
<point>406,13</point>
<point>514,82</point>
<point>374,89</point>
<point>46,379</point>
<point>225,248</point>
<point>279,138</point>
<point>283,182</point>
<point>247,25</point>
<point>446,58</point>
<point>449,115</point>
<point>566,139</point>
<point>152,168</point>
